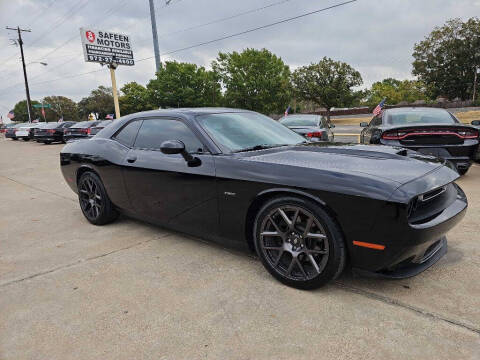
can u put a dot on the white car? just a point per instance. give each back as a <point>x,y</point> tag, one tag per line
<point>26,132</point>
<point>23,132</point>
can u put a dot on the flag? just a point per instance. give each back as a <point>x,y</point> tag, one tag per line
<point>378,110</point>
<point>61,119</point>
<point>11,115</point>
<point>43,111</point>
<point>286,111</point>
<point>109,117</point>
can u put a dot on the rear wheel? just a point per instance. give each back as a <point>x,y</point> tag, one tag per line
<point>15,139</point>
<point>94,201</point>
<point>299,243</point>
<point>26,139</point>
<point>47,142</point>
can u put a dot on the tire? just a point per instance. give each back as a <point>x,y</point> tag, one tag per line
<point>26,139</point>
<point>47,142</point>
<point>15,139</point>
<point>462,172</point>
<point>301,256</point>
<point>94,201</point>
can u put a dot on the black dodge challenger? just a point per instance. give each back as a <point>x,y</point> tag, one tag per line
<point>244,180</point>
<point>427,130</point>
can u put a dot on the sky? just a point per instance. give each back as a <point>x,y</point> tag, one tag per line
<point>375,37</point>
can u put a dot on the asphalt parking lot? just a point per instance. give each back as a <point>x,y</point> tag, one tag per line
<point>129,290</point>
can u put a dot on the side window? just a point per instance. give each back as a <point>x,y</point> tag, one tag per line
<point>155,131</point>
<point>127,134</point>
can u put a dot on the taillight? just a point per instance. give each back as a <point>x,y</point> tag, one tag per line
<point>315,134</point>
<point>402,134</point>
<point>393,135</point>
<point>89,130</point>
<point>468,133</point>
<point>51,131</point>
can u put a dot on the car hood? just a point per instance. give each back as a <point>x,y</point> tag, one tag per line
<point>392,163</point>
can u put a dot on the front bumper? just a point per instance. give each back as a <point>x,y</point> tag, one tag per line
<point>409,268</point>
<point>409,248</point>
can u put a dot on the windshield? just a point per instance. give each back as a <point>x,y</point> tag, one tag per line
<point>419,116</point>
<point>244,130</point>
<point>304,120</point>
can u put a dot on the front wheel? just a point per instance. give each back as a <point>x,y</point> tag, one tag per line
<point>299,243</point>
<point>94,201</point>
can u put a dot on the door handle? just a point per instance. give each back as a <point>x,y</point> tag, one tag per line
<point>131,159</point>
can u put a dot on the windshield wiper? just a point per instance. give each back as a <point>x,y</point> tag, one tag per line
<point>260,147</point>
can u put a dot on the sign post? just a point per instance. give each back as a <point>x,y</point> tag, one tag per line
<point>112,68</point>
<point>109,49</point>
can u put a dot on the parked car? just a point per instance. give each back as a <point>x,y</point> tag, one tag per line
<point>476,123</point>
<point>80,130</point>
<point>242,179</point>
<point>429,131</point>
<point>101,125</point>
<point>4,127</point>
<point>52,132</point>
<point>26,132</point>
<point>312,127</point>
<point>10,133</point>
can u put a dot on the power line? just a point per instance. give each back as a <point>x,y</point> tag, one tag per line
<point>259,27</point>
<point>76,7</point>
<point>217,39</point>
<point>224,19</point>
<point>104,16</point>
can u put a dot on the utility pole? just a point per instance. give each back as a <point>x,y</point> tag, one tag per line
<point>20,42</point>
<point>158,63</point>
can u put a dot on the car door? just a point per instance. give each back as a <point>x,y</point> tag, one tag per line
<point>165,189</point>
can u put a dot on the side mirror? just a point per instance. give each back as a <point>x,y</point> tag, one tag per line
<point>171,147</point>
<point>363,124</point>
<point>476,122</point>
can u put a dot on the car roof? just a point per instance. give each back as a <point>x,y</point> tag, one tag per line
<point>187,111</point>
<point>410,109</point>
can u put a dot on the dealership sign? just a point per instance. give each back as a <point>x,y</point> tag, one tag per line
<point>106,47</point>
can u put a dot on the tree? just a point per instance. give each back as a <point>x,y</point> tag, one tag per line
<point>21,113</point>
<point>446,60</point>
<point>396,91</point>
<point>99,101</point>
<point>255,80</point>
<point>61,106</point>
<point>135,98</point>
<point>329,84</point>
<point>184,85</point>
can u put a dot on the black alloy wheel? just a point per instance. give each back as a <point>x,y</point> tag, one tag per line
<point>94,201</point>
<point>299,243</point>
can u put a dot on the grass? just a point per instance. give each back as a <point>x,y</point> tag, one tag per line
<point>465,117</point>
